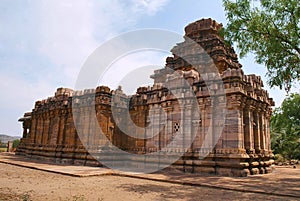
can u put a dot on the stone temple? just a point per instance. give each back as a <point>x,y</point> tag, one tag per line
<point>229,135</point>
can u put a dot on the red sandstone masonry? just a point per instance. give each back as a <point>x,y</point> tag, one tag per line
<point>244,145</point>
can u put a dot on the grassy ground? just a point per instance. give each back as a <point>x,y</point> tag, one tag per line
<point>3,149</point>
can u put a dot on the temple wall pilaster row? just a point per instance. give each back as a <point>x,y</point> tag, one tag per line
<point>219,121</point>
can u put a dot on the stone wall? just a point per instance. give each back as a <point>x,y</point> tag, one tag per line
<point>163,117</point>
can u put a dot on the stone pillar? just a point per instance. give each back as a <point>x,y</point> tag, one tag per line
<point>102,121</point>
<point>101,131</point>
<point>187,125</point>
<point>168,126</point>
<point>72,131</point>
<point>248,130</point>
<point>183,124</point>
<point>150,131</point>
<point>42,128</point>
<point>206,133</point>
<point>54,127</point>
<point>84,122</point>
<point>50,127</point>
<point>160,128</point>
<point>68,134</point>
<point>241,129</point>
<point>33,129</point>
<point>268,140</point>
<point>201,131</point>
<point>219,120</point>
<point>87,126</point>
<point>195,125</point>
<point>156,126</point>
<point>262,130</point>
<point>256,131</point>
<point>38,132</point>
<point>61,127</point>
<point>234,133</point>
<point>39,129</point>
<point>77,120</point>
<point>65,126</point>
<point>95,130</point>
<point>24,130</point>
<point>205,137</point>
<point>46,125</point>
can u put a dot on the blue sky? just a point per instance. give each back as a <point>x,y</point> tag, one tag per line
<point>44,43</point>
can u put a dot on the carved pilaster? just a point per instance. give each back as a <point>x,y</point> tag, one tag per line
<point>262,130</point>
<point>33,128</point>
<point>61,127</point>
<point>248,127</point>
<point>256,130</point>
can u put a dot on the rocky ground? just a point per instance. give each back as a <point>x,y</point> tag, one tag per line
<point>19,183</point>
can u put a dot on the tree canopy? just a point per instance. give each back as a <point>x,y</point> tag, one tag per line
<point>16,143</point>
<point>270,29</point>
<point>285,128</point>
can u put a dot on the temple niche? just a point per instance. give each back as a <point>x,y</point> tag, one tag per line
<point>242,148</point>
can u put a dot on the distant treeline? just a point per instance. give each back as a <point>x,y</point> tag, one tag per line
<point>285,128</point>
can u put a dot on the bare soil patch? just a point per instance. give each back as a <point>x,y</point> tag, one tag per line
<point>19,183</point>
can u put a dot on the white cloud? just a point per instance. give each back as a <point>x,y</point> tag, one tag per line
<point>148,6</point>
<point>48,41</point>
<point>71,30</point>
<point>18,94</point>
<point>133,70</point>
<point>66,34</point>
<point>17,97</point>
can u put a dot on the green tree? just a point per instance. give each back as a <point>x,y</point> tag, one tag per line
<point>285,128</point>
<point>270,30</point>
<point>16,143</point>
